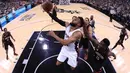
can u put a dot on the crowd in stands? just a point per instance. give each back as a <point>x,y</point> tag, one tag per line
<point>8,7</point>
<point>121,8</point>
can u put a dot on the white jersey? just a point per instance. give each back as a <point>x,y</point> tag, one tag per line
<point>69,50</point>
<point>70,47</point>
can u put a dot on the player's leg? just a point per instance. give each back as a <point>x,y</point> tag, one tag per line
<point>60,59</point>
<point>7,57</point>
<point>6,49</point>
<point>122,46</point>
<point>116,44</point>
<point>58,63</point>
<point>72,61</point>
<point>12,45</point>
<point>121,43</point>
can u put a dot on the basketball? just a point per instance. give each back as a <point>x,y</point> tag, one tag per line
<point>47,6</point>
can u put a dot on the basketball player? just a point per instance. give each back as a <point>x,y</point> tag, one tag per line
<point>92,21</point>
<point>6,41</point>
<point>13,12</point>
<point>72,34</point>
<point>122,36</point>
<point>84,40</point>
<point>101,52</point>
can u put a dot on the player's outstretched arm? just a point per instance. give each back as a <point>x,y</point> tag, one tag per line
<point>61,22</point>
<point>12,37</point>
<point>117,27</point>
<point>88,34</point>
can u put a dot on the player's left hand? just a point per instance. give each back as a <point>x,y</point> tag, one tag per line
<point>51,33</point>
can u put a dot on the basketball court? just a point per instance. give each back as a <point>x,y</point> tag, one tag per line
<point>39,55</point>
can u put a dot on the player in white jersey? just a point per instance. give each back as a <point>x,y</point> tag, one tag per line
<point>72,34</point>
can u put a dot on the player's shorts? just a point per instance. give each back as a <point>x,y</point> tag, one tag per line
<point>93,35</point>
<point>72,57</point>
<point>9,43</point>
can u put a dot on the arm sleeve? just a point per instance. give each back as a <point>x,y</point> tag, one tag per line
<point>61,22</point>
<point>54,12</point>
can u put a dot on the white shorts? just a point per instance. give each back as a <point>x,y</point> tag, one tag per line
<point>72,57</point>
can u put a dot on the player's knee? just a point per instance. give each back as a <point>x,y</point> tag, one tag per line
<point>58,63</point>
<point>72,68</point>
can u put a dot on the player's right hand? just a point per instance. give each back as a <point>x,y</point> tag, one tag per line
<point>51,33</point>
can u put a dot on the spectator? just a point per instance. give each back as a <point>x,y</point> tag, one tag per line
<point>7,20</point>
<point>13,12</point>
<point>112,13</point>
<point>8,7</point>
<point>117,9</point>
